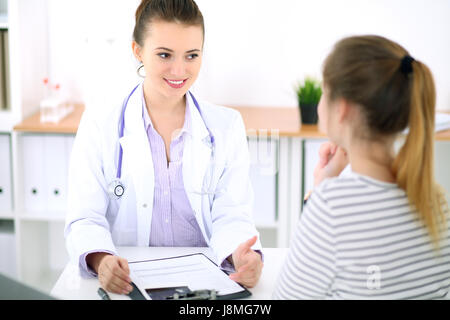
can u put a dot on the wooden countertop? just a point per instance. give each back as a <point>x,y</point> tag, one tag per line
<point>69,124</point>
<point>256,119</point>
<point>285,120</point>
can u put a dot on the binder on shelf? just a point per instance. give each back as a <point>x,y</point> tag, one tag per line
<point>4,70</point>
<point>55,169</point>
<point>5,175</point>
<point>193,274</point>
<point>7,73</point>
<point>33,173</point>
<point>45,168</point>
<point>2,74</point>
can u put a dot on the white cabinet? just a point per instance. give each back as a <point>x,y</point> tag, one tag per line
<point>263,176</point>
<point>41,252</point>
<point>44,159</point>
<point>32,165</point>
<point>311,149</point>
<point>7,233</point>
<point>264,153</point>
<point>55,169</point>
<point>41,183</point>
<point>22,245</point>
<point>5,175</point>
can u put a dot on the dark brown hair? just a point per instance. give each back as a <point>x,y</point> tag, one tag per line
<point>366,70</point>
<point>181,11</point>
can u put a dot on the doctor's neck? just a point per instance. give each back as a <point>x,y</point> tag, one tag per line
<point>162,104</point>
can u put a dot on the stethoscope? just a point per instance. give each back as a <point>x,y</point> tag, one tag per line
<point>116,188</point>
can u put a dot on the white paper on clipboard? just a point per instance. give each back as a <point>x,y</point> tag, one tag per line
<point>195,271</point>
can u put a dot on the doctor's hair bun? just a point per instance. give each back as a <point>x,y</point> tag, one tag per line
<point>181,11</point>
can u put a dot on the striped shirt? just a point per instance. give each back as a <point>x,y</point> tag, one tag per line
<point>359,238</point>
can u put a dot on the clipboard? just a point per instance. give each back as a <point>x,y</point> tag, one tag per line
<point>156,279</point>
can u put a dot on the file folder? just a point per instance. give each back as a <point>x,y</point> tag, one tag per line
<point>55,162</point>
<point>3,79</point>
<point>4,71</point>
<point>33,173</point>
<point>45,159</point>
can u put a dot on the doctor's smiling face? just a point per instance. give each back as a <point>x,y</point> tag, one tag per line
<point>171,54</point>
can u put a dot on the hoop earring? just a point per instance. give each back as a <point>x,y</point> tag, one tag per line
<point>139,71</point>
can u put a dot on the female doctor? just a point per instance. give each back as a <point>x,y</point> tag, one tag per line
<point>161,168</point>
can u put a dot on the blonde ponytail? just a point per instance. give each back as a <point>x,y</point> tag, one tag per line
<point>414,164</point>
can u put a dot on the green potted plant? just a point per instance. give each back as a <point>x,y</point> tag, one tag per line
<point>308,94</point>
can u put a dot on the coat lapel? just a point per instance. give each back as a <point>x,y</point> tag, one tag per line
<point>196,161</point>
<point>137,160</point>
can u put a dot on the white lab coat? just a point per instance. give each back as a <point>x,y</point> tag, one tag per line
<point>219,191</point>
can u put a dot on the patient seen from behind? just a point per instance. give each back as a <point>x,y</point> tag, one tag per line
<point>380,230</point>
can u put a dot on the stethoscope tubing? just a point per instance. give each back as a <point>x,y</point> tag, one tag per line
<point>122,130</point>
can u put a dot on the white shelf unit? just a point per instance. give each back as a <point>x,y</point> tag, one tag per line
<point>26,24</point>
<point>27,241</point>
<point>264,154</point>
<point>40,253</point>
<point>40,181</point>
<point>6,182</point>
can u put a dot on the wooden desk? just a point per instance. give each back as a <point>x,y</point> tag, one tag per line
<point>285,120</point>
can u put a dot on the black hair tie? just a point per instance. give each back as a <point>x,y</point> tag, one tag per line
<point>406,64</point>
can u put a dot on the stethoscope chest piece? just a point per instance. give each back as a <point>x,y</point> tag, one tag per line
<point>116,189</point>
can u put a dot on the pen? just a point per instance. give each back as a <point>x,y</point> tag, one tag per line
<point>103,294</point>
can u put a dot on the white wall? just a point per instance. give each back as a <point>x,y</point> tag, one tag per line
<point>90,48</point>
<point>255,50</point>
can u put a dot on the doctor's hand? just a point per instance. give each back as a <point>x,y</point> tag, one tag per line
<point>332,160</point>
<point>247,263</point>
<point>113,272</point>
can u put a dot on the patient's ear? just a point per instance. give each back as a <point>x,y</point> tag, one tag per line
<point>341,110</point>
<point>345,111</point>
